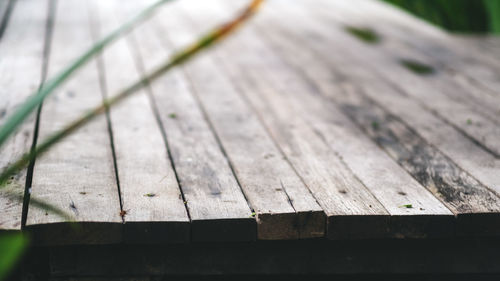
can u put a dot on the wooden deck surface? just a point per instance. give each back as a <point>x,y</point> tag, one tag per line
<point>293,128</point>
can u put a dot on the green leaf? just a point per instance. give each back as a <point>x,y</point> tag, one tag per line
<point>11,248</point>
<point>417,67</point>
<point>177,58</point>
<point>50,85</point>
<point>408,206</point>
<point>38,203</point>
<point>364,34</point>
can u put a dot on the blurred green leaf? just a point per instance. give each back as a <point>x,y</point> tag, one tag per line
<point>37,98</point>
<point>456,15</point>
<point>11,248</point>
<point>179,57</point>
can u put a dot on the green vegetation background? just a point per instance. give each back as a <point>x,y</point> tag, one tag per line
<point>478,16</point>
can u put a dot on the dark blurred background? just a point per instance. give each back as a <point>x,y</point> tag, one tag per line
<point>469,16</point>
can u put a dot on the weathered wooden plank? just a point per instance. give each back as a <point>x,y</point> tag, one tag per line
<point>353,212</point>
<point>469,121</point>
<point>462,150</point>
<point>486,44</point>
<point>437,43</point>
<point>476,207</point>
<point>461,193</point>
<point>396,188</point>
<point>284,207</point>
<point>452,80</point>
<point>77,174</point>
<point>216,205</point>
<point>150,194</point>
<point>21,67</point>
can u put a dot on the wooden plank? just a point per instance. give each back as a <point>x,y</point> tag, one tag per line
<point>451,80</point>
<point>77,174</point>
<point>155,210</point>
<point>470,200</point>
<point>353,212</point>
<point>216,205</point>
<point>462,150</point>
<point>284,207</point>
<point>437,43</point>
<point>470,121</point>
<point>21,64</point>
<point>454,186</point>
<point>476,207</point>
<point>486,44</point>
<point>454,82</point>
<point>427,217</point>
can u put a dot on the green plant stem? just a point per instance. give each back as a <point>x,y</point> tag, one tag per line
<point>178,58</point>
<point>41,205</point>
<point>37,98</point>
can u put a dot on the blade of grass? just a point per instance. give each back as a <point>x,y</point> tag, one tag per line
<point>178,58</point>
<point>36,98</point>
<point>40,204</point>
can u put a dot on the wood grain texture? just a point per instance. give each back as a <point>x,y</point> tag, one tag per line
<point>292,128</point>
<point>284,207</point>
<point>445,104</point>
<point>353,212</point>
<point>150,194</point>
<point>216,205</point>
<point>486,44</point>
<point>21,64</point>
<point>460,192</point>
<point>467,154</point>
<point>77,174</point>
<point>440,45</point>
<point>396,188</point>
<point>451,80</point>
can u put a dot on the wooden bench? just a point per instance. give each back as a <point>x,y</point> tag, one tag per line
<point>320,123</point>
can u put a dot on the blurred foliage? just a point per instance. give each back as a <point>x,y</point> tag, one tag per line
<point>11,248</point>
<point>457,15</point>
